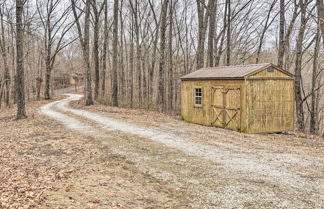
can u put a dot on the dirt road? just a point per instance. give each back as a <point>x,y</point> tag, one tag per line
<point>215,167</point>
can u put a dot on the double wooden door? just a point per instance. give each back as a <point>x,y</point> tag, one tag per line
<point>226,107</point>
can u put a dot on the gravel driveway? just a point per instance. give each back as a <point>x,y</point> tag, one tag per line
<point>217,168</point>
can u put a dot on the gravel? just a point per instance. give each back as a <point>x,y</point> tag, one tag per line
<point>259,165</point>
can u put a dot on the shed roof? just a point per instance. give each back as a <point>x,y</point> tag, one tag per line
<point>227,72</point>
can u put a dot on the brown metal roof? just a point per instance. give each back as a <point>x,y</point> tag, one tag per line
<point>225,72</point>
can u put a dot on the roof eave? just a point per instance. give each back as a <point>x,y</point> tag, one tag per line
<point>212,78</point>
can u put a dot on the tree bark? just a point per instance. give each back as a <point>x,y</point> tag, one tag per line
<point>161,95</point>
<point>170,64</point>
<point>211,33</point>
<point>281,50</point>
<point>21,112</point>
<point>121,70</point>
<point>220,47</point>
<point>114,82</point>
<point>228,35</point>
<point>88,89</point>
<point>104,60</point>
<point>131,61</point>
<point>298,68</point>
<point>320,12</point>
<point>7,78</point>
<point>48,69</point>
<point>155,47</point>
<point>137,70</point>
<point>202,22</point>
<point>288,34</point>
<point>138,55</point>
<point>84,40</point>
<point>96,47</point>
<point>47,81</point>
<point>313,110</point>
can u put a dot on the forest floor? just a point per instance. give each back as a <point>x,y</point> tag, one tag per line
<point>65,155</point>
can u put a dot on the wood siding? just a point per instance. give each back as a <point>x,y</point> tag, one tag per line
<point>205,114</point>
<point>263,73</point>
<point>270,105</point>
<point>261,102</point>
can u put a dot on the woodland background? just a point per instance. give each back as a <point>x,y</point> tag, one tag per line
<point>131,53</point>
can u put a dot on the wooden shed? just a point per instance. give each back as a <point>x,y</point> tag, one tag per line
<point>255,98</point>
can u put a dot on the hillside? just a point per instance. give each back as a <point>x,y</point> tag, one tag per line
<point>104,157</point>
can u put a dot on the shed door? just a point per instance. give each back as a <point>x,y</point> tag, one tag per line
<point>226,107</point>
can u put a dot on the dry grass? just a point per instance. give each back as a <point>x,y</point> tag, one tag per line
<point>297,158</point>
<point>44,165</point>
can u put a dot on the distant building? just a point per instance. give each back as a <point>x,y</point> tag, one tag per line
<point>67,79</point>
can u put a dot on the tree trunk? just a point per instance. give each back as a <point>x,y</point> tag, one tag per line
<point>88,88</point>
<point>48,70</point>
<point>114,82</point>
<point>288,34</point>
<point>298,68</point>
<point>313,112</point>
<point>96,48</point>
<point>220,48</point>
<point>104,60</point>
<point>320,12</point>
<point>38,87</point>
<point>47,83</point>
<point>121,73</point>
<point>228,35</point>
<point>84,40</point>
<point>281,51</point>
<point>202,22</point>
<point>131,62</point>
<point>138,56</point>
<point>212,31</point>
<point>155,47</point>
<point>7,78</point>
<point>170,71</point>
<point>21,112</point>
<point>161,95</point>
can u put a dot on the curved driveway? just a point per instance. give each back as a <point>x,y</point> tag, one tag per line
<point>230,178</point>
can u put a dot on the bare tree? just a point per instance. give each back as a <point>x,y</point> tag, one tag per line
<point>161,95</point>
<point>219,48</point>
<point>21,112</point>
<point>55,28</point>
<point>320,12</point>
<point>315,86</point>
<point>153,43</point>
<point>211,32</point>
<point>136,68</point>
<point>202,27</point>
<point>170,60</point>
<point>228,34</point>
<point>114,82</point>
<point>3,48</point>
<point>84,40</point>
<point>281,51</point>
<point>96,27</point>
<point>104,60</point>
<point>131,55</point>
<point>298,66</point>
<point>155,48</point>
<point>288,33</point>
<point>267,24</point>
